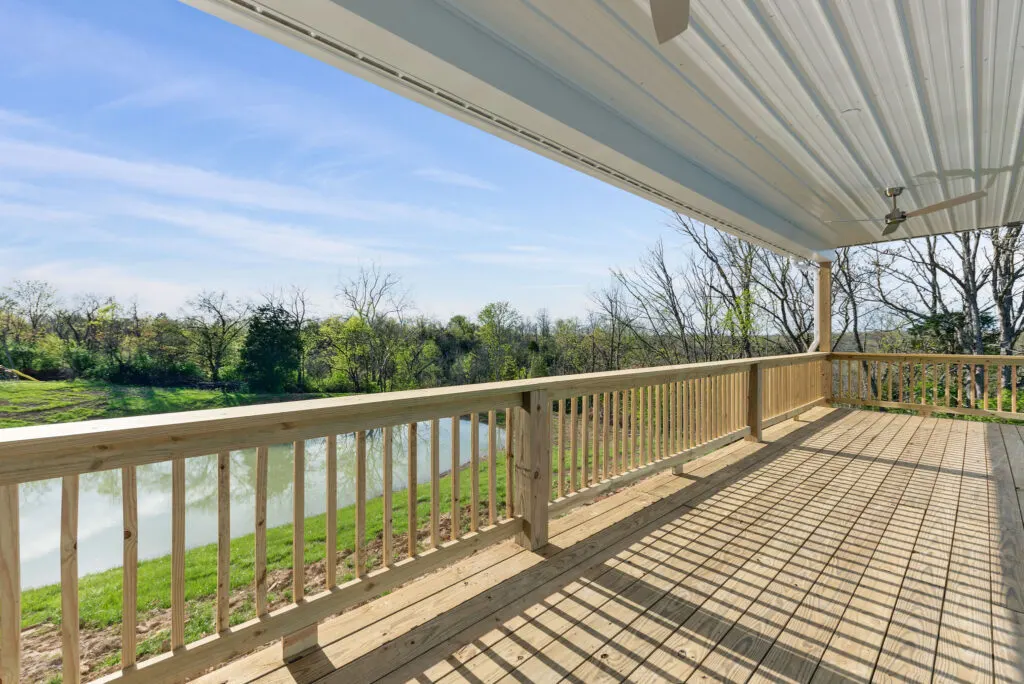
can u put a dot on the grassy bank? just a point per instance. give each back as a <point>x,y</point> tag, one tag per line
<point>39,403</point>
<point>100,593</point>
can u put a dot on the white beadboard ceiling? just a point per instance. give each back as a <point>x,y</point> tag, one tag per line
<point>766,118</point>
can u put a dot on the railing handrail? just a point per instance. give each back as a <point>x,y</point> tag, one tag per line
<point>944,358</point>
<point>41,452</point>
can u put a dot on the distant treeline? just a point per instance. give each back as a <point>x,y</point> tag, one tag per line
<point>710,297</point>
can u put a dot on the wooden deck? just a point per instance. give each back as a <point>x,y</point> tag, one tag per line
<point>850,546</point>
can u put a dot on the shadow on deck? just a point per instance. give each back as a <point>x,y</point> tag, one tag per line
<point>849,546</point>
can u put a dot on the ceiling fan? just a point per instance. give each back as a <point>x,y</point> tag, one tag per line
<point>896,217</point>
<point>671,17</point>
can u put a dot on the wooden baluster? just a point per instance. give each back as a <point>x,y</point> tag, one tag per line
<point>641,426</point>
<point>636,427</point>
<point>299,521</point>
<point>70,653</point>
<point>651,452</point>
<point>561,448</point>
<point>656,423</point>
<point>924,383</point>
<point>574,446</point>
<point>412,488</point>
<point>584,442</point>
<point>510,443</point>
<point>435,483</point>
<point>10,586</point>
<point>388,485</point>
<point>632,427</point>
<point>129,564</point>
<point>616,444</point>
<point>999,387</point>
<point>1013,388</point>
<point>260,534</point>
<point>666,403</point>
<point>901,381</point>
<point>474,472</point>
<point>492,467</point>
<point>595,465</point>
<point>456,513</point>
<point>605,429</point>
<point>984,386</point>
<point>935,385</point>
<point>331,519</point>
<point>359,555</point>
<point>948,379</point>
<point>223,620</point>
<point>177,553</point>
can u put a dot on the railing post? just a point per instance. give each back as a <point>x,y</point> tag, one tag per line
<point>10,586</point>
<point>533,469</point>
<point>755,390</point>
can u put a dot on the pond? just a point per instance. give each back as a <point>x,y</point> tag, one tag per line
<point>100,524</point>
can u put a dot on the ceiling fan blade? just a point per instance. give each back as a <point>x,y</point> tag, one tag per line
<point>962,199</point>
<point>867,220</point>
<point>890,228</point>
<point>671,17</point>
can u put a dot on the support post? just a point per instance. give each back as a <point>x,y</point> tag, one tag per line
<point>10,586</point>
<point>823,324</point>
<point>533,470</point>
<point>755,390</point>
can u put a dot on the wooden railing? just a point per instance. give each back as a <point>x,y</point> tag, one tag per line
<point>930,383</point>
<point>568,439</point>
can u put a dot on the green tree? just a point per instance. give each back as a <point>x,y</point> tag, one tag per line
<point>271,351</point>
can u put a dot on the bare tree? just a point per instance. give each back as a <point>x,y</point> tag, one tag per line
<point>378,299</point>
<point>35,300</point>
<point>214,325</point>
<point>1006,265</point>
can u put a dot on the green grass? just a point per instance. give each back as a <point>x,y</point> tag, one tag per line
<point>40,403</point>
<point>100,593</point>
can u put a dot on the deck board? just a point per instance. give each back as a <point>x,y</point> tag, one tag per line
<point>852,546</point>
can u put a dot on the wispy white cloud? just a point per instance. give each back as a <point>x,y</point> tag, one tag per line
<point>463,180</point>
<point>273,240</point>
<point>189,182</point>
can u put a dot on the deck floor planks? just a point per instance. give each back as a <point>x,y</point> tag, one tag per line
<point>741,650</point>
<point>881,546</point>
<point>599,627</point>
<point>908,652</point>
<point>685,649</point>
<point>964,652</point>
<point>854,647</point>
<point>516,645</point>
<point>635,642</point>
<point>796,651</point>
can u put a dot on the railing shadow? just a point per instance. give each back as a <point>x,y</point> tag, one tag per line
<point>585,555</point>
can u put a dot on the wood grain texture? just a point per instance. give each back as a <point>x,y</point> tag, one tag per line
<point>299,521</point>
<point>10,586</point>
<point>435,483</point>
<point>359,552</point>
<point>129,564</point>
<point>474,472</point>
<point>456,468</point>
<point>260,531</point>
<point>331,518</point>
<point>388,485</point>
<point>412,444</point>
<point>177,553</point>
<point>492,467</point>
<point>223,540</point>
<point>70,649</point>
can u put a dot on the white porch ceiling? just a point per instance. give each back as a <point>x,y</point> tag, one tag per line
<point>766,118</point>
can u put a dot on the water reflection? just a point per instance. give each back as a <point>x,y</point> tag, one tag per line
<point>100,533</point>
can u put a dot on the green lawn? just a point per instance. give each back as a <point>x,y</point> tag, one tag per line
<point>38,403</point>
<point>100,593</point>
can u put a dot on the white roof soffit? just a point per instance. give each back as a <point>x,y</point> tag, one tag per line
<point>766,118</point>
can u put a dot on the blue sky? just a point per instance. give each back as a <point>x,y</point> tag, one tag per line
<point>150,150</point>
